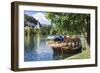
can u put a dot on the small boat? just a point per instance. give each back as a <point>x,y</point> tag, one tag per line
<point>69,44</point>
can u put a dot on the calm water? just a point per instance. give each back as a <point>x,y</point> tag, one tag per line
<point>35,49</point>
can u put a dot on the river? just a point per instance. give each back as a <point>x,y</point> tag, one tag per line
<point>35,49</point>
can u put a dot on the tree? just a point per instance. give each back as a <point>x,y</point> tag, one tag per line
<point>69,23</point>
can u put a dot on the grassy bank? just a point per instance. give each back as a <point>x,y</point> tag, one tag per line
<point>83,55</point>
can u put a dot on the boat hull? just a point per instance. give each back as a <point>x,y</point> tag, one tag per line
<point>68,50</point>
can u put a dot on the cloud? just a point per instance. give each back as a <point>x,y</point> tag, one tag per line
<point>41,18</point>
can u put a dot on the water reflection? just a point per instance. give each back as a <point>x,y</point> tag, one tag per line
<point>35,48</point>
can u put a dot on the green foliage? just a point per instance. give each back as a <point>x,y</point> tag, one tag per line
<point>63,23</point>
<point>69,23</point>
<point>45,30</point>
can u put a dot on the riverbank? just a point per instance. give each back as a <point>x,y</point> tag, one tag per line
<point>85,54</point>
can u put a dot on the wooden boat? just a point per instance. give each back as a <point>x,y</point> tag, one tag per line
<point>70,44</point>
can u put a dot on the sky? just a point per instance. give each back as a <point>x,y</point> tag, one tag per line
<point>39,15</point>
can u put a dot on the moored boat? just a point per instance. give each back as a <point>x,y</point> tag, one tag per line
<point>69,44</point>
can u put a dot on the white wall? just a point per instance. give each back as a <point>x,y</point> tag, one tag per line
<point>5,40</point>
